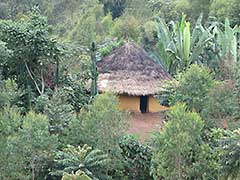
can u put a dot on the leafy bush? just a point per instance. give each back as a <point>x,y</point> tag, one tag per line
<point>221,105</point>
<point>179,150</point>
<point>137,158</point>
<point>10,160</point>
<point>191,87</point>
<point>236,79</point>
<point>41,103</point>
<point>59,112</point>
<point>10,94</point>
<point>37,145</point>
<point>26,145</point>
<point>106,50</point>
<point>76,94</point>
<point>230,158</point>
<point>82,160</point>
<point>126,27</point>
<point>150,33</point>
<point>101,124</point>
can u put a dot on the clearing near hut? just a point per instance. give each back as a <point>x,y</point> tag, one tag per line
<point>142,125</point>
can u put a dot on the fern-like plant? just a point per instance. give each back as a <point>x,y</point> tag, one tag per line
<point>94,163</point>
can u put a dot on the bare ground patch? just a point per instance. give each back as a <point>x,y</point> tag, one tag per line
<point>142,125</point>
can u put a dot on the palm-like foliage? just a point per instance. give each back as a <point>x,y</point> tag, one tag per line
<point>94,163</point>
<point>223,49</point>
<point>178,47</point>
<point>227,40</point>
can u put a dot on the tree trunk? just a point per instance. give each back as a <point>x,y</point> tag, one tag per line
<point>40,91</point>
<point>57,71</point>
<point>94,90</point>
<point>33,169</point>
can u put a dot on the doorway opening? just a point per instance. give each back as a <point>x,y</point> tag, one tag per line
<point>144,104</point>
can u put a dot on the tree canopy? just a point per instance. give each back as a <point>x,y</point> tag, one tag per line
<point>55,123</point>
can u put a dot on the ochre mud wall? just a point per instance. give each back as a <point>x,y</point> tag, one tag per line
<point>132,103</point>
<point>154,105</point>
<point>129,103</point>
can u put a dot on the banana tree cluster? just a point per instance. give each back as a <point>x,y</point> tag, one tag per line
<point>179,45</point>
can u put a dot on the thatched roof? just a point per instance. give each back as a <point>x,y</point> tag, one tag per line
<point>129,70</point>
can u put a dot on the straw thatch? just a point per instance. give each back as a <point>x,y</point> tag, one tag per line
<point>129,70</point>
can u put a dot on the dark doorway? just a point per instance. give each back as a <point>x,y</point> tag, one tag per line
<point>144,104</point>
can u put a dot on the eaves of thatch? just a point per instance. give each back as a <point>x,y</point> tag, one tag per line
<point>129,70</point>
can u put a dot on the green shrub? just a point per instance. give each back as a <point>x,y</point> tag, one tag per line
<point>137,158</point>
<point>230,157</point>
<point>106,50</point>
<point>220,106</point>
<point>59,112</point>
<point>179,150</point>
<point>11,161</point>
<point>101,124</point>
<point>41,103</point>
<point>10,94</point>
<point>26,145</point>
<point>126,27</point>
<point>191,87</point>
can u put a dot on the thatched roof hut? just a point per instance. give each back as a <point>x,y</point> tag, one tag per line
<point>129,70</point>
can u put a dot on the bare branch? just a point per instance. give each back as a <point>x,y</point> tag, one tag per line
<point>43,84</point>
<point>35,83</point>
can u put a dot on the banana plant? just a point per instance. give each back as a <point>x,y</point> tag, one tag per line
<point>227,40</point>
<point>164,40</point>
<point>178,47</point>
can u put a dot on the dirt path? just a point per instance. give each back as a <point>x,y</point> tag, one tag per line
<point>142,125</point>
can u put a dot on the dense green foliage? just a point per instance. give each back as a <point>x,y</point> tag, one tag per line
<point>32,47</point>
<point>230,156</point>
<point>94,163</point>
<point>26,145</point>
<point>137,158</point>
<point>102,124</point>
<point>221,105</point>
<point>55,125</point>
<point>191,87</point>
<point>180,152</point>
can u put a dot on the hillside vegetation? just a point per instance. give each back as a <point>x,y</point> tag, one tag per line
<point>55,125</point>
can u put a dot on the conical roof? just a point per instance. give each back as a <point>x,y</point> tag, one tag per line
<point>129,70</point>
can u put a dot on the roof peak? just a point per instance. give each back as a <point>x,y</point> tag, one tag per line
<point>129,69</point>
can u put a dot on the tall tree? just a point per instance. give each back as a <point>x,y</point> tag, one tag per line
<point>179,151</point>
<point>33,49</point>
